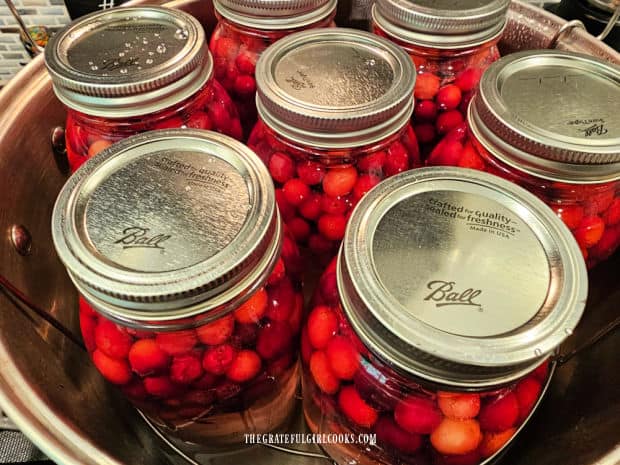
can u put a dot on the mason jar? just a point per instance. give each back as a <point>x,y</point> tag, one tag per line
<point>245,28</point>
<point>334,108</point>
<point>128,70</point>
<point>190,301</point>
<point>433,326</point>
<point>451,44</point>
<point>548,121</point>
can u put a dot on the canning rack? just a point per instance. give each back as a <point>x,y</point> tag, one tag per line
<point>531,28</point>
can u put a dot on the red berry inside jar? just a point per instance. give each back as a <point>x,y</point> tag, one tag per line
<point>572,164</point>
<point>200,336</point>
<point>326,149</point>
<point>395,341</point>
<point>449,64</point>
<point>123,78</point>
<point>244,30</point>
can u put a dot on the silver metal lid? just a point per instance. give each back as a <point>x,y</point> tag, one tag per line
<point>167,224</point>
<point>442,23</point>
<point>554,114</point>
<point>335,88</point>
<point>128,61</point>
<point>460,277</point>
<point>275,14</point>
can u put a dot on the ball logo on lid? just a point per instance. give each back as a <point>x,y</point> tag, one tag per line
<point>444,294</point>
<point>136,237</point>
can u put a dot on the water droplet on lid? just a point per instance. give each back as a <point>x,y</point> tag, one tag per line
<point>128,44</point>
<point>188,188</point>
<point>121,54</point>
<point>181,34</point>
<point>90,63</point>
<point>161,48</point>
<point>115,62</point>
<point>149,61</point>
<point>538,352</point>
<point>139,67</point>
<point>94,68</point>
<point>156,34</point>
<point>123,70</point>
<point>151,53</point>
<point>144,41</point>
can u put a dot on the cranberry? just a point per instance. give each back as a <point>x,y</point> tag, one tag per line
<point>391,435</point>
<point>322,325</point>
<point>218,359</point>
<point>185,369</point>
<point>244,367</point>
<point>146,357</point>
<point>493,442</point>
<point>448,97</point>
<point>177,342</point>
<point>295,191</point>
<point>499,413</point>
<point>216,332</point>
<point>355,408</point>
<point>281,300</point>
<point>274,339</point>
<point>281,167</point>
<point>114,370</point>
<point>310,172</point>
<point>332,226</point>
<point>112,340</point>
<point>343,358</point>
<point>417,415</point>
<point>425,110</point>
<point>339,181</point>
<point>448,120</point>
<point>426,86</point>
<point>251,311</point>
<point>456,436</point>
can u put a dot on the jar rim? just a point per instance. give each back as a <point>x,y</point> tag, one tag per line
<point>183,253</point>
<point>388,307</point>
<point>432,39</point>
<point>296,100</point>
<point>278,15</point>
<point>552,111</point>
<point>153,58</point>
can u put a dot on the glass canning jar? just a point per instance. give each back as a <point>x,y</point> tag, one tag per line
<point>451,44</point>
<point>245,29</point>
<point>123,71</point>
<point>190,295</point>
<point>433,326</point>
<point>334,108</point>
<point>549,122</point>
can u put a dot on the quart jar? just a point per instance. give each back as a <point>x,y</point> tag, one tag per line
<point>245,29</point>
<point>549,122</point>
<point>433,326</point>
<point>451,44</point>
<point>190,295</point>
<point>334,108</point>
<point>125,70</point>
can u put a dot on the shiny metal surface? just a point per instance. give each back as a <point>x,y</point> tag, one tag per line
<point>460,277</point>
<point>444,24</point>
<point>129,61</point>
<point>168,224</point>
<point>334,88</point>
<point>275,15</point>
<point>553,113</point>
<point>50,389</point>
